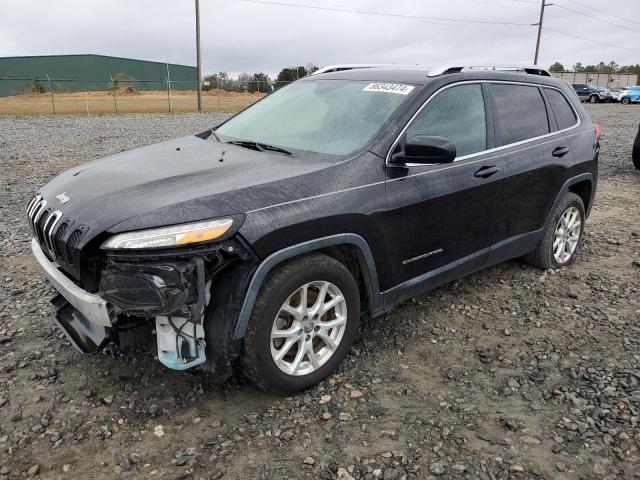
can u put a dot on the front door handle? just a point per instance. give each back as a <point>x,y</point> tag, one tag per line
<point>560,151</point>
<point>486,171</point>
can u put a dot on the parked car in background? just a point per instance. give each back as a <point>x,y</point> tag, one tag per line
<point>631,95</point>
<point>617,93</point>
<point>590,93</point>
<point>636,150</point>
<point>608,96</point>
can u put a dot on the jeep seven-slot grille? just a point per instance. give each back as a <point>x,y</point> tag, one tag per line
<point>58,241</point>
<point>55,234</point>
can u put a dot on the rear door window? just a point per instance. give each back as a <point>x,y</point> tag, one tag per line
<point>520,111</point>
<point>565,116</point>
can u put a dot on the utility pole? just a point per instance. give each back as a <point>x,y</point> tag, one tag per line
<point>198,64</point>
<point>535,58</point>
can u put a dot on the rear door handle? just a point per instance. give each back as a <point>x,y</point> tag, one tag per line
<point>486,171</point>
<point>560,151</point>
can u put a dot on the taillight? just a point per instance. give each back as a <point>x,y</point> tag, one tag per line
<point>598,131</point>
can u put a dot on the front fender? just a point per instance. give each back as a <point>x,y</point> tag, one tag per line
<point>295,250</point>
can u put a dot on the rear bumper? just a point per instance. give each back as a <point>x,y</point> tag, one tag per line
<point>93,307</point>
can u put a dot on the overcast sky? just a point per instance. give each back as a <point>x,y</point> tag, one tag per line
<point>241,36</point>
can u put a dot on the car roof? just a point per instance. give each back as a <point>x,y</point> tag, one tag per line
<point>417,75</point>
<point>420,76</point>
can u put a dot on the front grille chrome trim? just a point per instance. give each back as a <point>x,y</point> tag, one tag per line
<point>32,204</point>
<point>38,210</point>
<point>57,234</point>
<point>45,226</point>
<point>48,235</point>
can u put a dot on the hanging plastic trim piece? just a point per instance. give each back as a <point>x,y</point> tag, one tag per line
<point>181,342</point>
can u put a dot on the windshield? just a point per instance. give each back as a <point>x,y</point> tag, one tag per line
<point>335,117</point>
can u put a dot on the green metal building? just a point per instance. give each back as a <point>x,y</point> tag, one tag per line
<point>79,73</point>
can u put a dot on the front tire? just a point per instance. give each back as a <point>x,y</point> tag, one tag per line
<point>625,101</point>
<point>303,324</point>
<point>561,236</point>
<point>593,99</point>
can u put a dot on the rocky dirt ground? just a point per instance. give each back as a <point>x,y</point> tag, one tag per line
<point>510,373</point>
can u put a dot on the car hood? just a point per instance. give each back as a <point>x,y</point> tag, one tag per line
<point>177,181</point>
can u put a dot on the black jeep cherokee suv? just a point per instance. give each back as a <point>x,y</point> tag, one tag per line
<point>265,241</point>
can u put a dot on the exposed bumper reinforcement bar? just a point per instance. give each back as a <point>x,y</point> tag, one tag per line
<point>93,307</point>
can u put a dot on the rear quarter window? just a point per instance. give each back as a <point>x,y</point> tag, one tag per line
<point>520,111</point>
<point>565,115</point>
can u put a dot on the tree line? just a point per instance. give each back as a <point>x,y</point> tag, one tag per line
<point>602,67</point>
<point>256,82</point>
<point>261,82</point>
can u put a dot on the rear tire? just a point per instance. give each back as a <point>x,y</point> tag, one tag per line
<point>292,340</point>
<point>593,99</point>
<point>625,101</point>
<point>561,235</point>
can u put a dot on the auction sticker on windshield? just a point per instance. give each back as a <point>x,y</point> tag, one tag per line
<point>389,88</point>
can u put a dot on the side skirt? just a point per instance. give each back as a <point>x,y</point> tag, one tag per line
<point>507,249</point>
<point>434,278</point>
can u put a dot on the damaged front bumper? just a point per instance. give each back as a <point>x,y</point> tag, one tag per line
<point>166,294</point>
<point>93,307</point>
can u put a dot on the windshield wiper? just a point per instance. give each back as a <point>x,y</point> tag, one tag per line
<point>213,132</point>
<point>260,147</point>
<point>273,148</point>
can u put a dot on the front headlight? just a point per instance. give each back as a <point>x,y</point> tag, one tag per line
<point>171,236</point>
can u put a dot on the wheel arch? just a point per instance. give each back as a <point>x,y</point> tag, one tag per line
<point>350,249</point>
<point>576,185</point>
<point>584,189</point>
<point>353,259</point>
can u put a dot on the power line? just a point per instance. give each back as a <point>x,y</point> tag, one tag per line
<point>596,18</point>
<point>385,14</point>
<point>437,20</point>
<point>590,40</point>
<point>603,11</point>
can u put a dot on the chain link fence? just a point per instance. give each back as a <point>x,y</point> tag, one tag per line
<point>607,80</point>
<point>46,95</point>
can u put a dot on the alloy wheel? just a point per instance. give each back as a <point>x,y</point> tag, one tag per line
<point>567,235</point>
<point>308,328</point>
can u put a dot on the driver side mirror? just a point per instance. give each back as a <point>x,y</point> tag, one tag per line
<point>426,149</point>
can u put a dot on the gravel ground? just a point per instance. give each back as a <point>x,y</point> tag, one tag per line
<point>509,373</point>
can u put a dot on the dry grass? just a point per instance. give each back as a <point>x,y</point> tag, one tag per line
<point>140,102</point>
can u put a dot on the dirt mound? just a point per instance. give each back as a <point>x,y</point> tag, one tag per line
<point>127,91</point>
